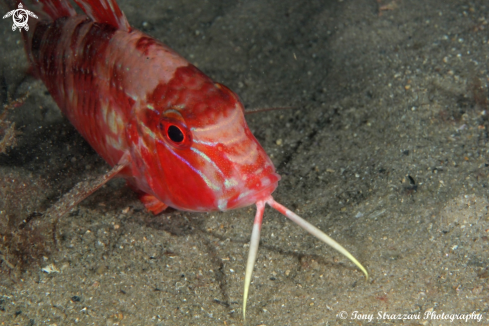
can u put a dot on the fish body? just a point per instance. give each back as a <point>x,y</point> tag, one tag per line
<point>188,143</point>
<point>178,138</point>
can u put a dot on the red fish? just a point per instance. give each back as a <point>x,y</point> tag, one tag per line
<point>178,138</point>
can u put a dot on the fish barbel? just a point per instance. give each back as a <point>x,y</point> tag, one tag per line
<point>177,137</point>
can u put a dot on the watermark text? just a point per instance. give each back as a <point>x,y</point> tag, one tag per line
<point>427,315</point>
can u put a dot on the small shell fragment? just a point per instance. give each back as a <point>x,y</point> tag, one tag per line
<point>51,268</point>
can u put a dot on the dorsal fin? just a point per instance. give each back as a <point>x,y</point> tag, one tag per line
<point>105,11</point>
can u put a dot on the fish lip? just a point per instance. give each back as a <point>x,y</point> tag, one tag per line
<point>255,195</point>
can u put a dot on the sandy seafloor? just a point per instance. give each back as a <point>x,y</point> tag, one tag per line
<point>388,154</point>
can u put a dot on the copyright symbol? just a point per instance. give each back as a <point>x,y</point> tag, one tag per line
<point>343,315</point>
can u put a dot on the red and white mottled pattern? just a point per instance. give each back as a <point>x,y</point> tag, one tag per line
<point>125,92</point>
<point>122,90</point>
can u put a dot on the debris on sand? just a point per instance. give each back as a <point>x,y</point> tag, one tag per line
<point>7,128</point>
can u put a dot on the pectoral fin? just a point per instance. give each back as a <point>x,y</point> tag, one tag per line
<point>82,190</point>
<point>152,204</point>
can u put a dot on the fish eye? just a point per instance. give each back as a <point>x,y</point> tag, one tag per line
<point>175,134</point>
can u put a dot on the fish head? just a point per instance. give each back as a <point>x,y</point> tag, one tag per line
<point>197,151</point>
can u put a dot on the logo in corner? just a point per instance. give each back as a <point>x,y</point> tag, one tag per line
<point>20,17</point>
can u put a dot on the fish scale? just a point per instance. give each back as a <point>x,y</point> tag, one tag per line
<point>178,138</point>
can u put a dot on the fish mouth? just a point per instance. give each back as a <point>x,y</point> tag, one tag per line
<point>250,196</point>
